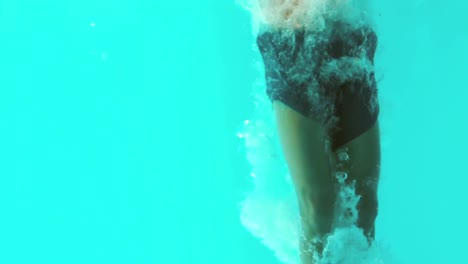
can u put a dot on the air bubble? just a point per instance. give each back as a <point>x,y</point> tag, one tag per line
<point>343,156</point>
<point>341,176</point>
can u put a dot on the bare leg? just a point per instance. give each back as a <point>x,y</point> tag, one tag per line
<point>311,166</point>
<point>363,167</point>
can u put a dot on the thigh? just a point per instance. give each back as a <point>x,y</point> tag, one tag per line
<point>309,162</point>
<point>363,167</point>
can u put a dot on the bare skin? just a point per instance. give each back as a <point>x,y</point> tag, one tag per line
<point>312,165</point>
<point>283,13</point>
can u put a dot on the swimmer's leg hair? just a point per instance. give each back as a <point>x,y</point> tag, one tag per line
<point>311,166</point>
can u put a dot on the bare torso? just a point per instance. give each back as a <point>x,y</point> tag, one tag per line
<point>306,13</point>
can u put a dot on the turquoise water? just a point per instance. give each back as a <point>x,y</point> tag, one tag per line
<point>120,124</point>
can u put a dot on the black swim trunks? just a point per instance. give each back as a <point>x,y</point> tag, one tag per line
<point>327,76</point>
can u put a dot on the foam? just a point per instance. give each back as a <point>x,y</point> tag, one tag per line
<point>270,210</point>
<point>310,14</point>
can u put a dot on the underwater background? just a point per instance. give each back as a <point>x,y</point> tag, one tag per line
<point>123,134</point>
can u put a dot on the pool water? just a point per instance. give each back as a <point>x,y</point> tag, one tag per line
<point>121,126</point>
